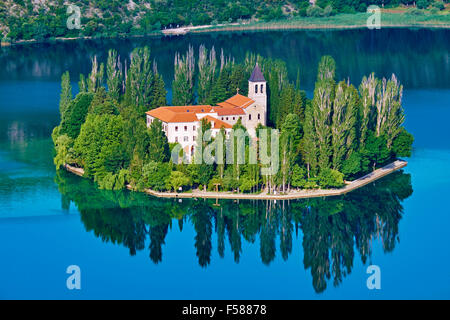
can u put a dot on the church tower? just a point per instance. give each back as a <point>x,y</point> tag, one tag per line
<point>257,91</point>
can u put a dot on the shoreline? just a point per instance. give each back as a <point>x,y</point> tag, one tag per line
<point>306,23</point>
<point>297,194</point>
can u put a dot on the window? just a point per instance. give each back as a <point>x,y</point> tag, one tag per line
<point>249,117</point>
<point>262,86</point>
<point>256,88</point>
<point>193,128</point>
<point>176,128</point>
<point>259,116</point>
<point>185,128</point>
<point>227,118</point>
<point>186,139</point>
<point>176,139</point>
<point>233,118</point>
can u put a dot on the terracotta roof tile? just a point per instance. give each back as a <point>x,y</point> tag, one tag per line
<point>218,123</point>
<point>228,111</point>
<point>179,113</point>
<point>239,100</point>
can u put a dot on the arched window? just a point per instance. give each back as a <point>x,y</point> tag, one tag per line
<point>259,116</point>
<point>262,86</point>
<point>256,88</point>
<point>249,117</point>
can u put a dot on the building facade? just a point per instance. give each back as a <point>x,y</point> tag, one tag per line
<point>180,123</point>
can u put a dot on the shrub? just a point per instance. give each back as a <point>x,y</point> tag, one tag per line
<point>328,11</point>
<point>438,5</point>
<point>330,178</point>
<point>415,12</point>
<point>422,4</point>
<point>314,11</point>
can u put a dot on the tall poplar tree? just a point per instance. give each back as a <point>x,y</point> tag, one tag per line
<point>114,75</point>
<point>66,94</point>
<point>183,83</point>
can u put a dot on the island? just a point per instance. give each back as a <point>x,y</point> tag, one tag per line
<point>120,131</point>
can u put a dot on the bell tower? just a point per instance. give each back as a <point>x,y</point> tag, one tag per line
<point>257,91</point>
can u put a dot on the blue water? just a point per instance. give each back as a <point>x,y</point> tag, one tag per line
<point>49,221</point>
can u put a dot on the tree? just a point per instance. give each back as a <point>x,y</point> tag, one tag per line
<point>330,178</point>
<point>76,114</point>
<point>298,176</point>
<point>114,76</point>
<point>206,73</point>
<point>402,144</point>
<point>66,94</point>
<point>140,80</point>
<point>291,133</point>
<point>322,110</point>
<point>158,149</point>
<point>368,89</point>
<point>156,175</point>
<point>183,84</point>
<point>309,143</point>
<point>326,69</point>
<point>178,179</point>
<point>390,115</point>
<point>95,78</point>
<point>343,123</point>
<point>100,145</point>
<point>376,150</point>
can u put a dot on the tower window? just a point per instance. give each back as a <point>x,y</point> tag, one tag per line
<point>176,128</point>
<point>256,88</point>
<point>262,86</point>
<point>249,117</point>
<point>259,116</point>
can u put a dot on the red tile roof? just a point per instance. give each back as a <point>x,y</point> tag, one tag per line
<point>228,111</point>
<point>179,113</point>
<point>239,100</point>
<point>217,123</point>
<point>233,106</point>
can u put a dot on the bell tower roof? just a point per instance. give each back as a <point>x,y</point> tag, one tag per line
<point>257,75</point>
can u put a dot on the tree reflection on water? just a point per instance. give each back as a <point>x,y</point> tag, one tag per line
<point>331,228</point>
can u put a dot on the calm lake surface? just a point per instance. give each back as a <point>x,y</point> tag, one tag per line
<point>130,245</point>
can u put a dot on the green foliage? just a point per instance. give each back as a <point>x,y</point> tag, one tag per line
<point>157,175</point>
<point>177,180</point>
<point>402,145</point>
<point>298,176</point>
<point>438,5</point>
<point>75,114</point>
<point>341,132</point>
<point>423,4</point>
<point>183,83</point>
<point>63,148</point>
<point>113,181</point>
<point>100,145</point>
<point>158,149</point>
<point>66,94</point>
<point>330,178</point>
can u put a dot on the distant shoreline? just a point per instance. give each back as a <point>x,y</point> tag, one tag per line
<point>337,22</point>
<point>293,194</point>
